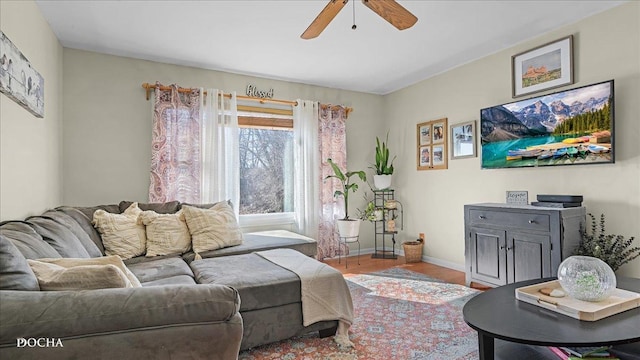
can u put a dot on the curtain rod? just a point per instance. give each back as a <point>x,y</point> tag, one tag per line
<point>148,87</point>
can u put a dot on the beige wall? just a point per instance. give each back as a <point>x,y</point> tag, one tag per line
<point>30,147</point>
<point>107,123</point>
<point>606,46</point>
<point>107,126</point>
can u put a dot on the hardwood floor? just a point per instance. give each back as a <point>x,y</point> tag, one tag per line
<point>367,265</point>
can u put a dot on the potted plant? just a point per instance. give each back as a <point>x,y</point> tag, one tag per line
<point>383,167</point>
<point>614,250</point>
<point>371,212</point>
<point>346,227</point>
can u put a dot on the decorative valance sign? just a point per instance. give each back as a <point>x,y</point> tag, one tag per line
<point>18,80</point>
<point>253,91</point>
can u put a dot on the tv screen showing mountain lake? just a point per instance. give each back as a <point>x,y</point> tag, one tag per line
<point>564,128</point>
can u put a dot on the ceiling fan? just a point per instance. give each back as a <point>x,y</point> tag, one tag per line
<point>389,10</point>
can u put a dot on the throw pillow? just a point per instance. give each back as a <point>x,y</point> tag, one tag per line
<point>103,260</point>
<point>122,234</point>
<point>52,277</point>
<point>213,228</point>
<point>166,233</point>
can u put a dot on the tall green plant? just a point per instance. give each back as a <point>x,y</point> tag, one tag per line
<point>612,249</point>
<point>383,166</point>
<point>347,185</point>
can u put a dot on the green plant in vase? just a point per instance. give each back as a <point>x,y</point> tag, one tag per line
<point>383,166</point>
<point>370,212</point>
<point>347,227</point>
<point>614,250</point>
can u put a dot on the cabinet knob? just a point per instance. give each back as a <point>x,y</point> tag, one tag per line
<point>501,247</point>
<point>482,217</point>
<point>510,248</point>
<point>532,221</point>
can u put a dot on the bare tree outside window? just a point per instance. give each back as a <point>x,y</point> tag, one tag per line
<point>266,171</point>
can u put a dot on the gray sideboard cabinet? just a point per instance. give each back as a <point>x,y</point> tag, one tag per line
<point>509,243</point>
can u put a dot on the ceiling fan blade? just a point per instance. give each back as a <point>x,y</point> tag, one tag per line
<point>393,12</point>
<point>323,19</point>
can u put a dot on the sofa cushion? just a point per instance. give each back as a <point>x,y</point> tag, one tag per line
<point>97,316</point>
<point>76,229</point>
<point>85,224</point>
<point>27,240</point>
<point>52,277</point>
<point>213,228</point>
<point>58,236</point>
<point>15,273</point>
<point>160,269</point>
<point>170,207</point>
<point>263,240</point>
<point>173,280</point>
<point>166,233</point>
<point>122,234</point>
<point>260,283</point>
<point>103,260</point>
<point>88,211</point>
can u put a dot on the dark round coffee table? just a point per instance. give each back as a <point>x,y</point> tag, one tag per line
<point>497,314</point>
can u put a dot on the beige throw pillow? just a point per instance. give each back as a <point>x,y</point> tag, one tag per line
<point>212,228</point>
<point>103,260</point>
<point>122,234</point>
<point>84,277</point>
<point>166,233</point>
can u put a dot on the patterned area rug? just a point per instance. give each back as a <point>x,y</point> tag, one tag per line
<point>399,314</point>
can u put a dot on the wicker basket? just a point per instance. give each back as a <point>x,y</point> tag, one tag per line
<point>412,251</point>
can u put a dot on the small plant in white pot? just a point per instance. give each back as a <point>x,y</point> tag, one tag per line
<point>346,227</point>
<point>383,167</point>
<point>371,212</point>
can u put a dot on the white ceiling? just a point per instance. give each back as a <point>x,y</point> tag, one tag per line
<point>262,38</point>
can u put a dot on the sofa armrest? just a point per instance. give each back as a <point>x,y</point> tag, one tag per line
<point>69,314</point>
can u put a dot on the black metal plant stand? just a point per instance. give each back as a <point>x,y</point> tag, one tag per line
<point>385,238</point>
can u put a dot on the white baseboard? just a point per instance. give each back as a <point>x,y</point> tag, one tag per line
<point>439,262</point>
<point>354,252</point>
<point>427,259</point>
<point>443,263</point>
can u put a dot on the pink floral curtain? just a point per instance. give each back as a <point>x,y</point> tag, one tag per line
<point>175,146</point>
<point>333,144</point>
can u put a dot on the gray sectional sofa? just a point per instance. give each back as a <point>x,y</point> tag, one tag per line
<point>211,308</point>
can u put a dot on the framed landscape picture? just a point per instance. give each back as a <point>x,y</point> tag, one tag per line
<point>463,140</point>
<point>432,145</point>
<point>542,68</point>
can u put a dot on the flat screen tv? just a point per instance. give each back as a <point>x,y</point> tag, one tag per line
<point>570,127</point>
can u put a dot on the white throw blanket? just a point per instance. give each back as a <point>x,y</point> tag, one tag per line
<point>325,294</point>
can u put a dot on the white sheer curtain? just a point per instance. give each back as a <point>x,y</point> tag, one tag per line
<point>307,164</point>
<point>220,177</point>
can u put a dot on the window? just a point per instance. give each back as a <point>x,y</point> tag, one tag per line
<point>266,165</point>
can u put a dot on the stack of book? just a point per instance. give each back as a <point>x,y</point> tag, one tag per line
<point>575,353</point>
<point>558,201</point>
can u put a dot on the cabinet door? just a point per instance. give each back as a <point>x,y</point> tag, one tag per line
<point>488,255</point>
<point>528,256</point>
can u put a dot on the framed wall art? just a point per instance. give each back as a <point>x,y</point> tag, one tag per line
<point>19,80</point>
<point>569,127</point>
<point>463,140</point>
<point>546,67</point>
<point>432,144</point>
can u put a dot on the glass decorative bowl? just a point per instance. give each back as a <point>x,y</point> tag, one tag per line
<point>586,278</point>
